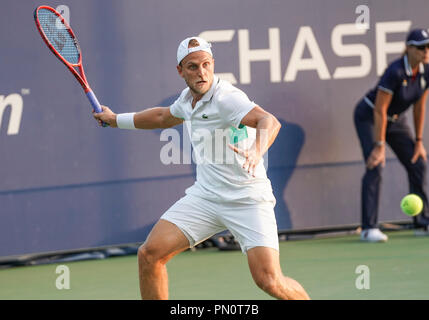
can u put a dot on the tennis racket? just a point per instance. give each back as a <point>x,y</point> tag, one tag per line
<point>60,39</point>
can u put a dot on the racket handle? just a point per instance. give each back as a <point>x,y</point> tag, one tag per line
<point>95,104</point>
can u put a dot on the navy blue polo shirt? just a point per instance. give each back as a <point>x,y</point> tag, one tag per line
<point>398,80</point>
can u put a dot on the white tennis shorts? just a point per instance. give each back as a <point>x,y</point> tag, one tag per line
<point>252,225</point>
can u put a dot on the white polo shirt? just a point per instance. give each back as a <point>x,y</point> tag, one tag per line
<point>212,124</point>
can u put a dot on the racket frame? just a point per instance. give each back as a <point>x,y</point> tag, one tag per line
<point>80,77</point>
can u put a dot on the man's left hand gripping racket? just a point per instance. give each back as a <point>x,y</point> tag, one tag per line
<point>60,38</point>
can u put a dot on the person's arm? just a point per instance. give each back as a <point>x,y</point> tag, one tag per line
<point>153,118</point>
<point>419,123</point>
<point>267,127</point>
<point>378,154</point>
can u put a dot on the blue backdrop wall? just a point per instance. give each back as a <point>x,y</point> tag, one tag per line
<point>66,183</point>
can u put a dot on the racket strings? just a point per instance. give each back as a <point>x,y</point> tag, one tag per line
<point>58,36</point>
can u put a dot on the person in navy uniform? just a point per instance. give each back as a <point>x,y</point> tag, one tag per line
<point>380,118</point>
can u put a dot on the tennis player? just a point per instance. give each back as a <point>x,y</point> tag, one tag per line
<point>231,191</point>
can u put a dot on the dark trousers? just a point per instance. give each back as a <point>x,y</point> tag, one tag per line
<point>401,141</point>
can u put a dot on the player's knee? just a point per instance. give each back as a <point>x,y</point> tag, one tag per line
<point>267,281</point>
<point>142,255</point>
<point>147,257</point>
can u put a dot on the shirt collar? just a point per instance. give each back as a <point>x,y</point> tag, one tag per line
<point>408,69</point>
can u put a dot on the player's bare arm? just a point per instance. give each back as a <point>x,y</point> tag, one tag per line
<point>267,127</point>
<point>153,118</point>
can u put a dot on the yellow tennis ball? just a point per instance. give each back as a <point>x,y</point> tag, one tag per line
<point>411,204</point>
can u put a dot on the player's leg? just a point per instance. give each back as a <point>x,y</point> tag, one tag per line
<point>265,268</point>
<point>188,222</point>
<point>164,241</point>
<point>254,226</point>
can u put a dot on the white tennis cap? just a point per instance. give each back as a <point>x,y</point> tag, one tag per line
<point>183,49</point>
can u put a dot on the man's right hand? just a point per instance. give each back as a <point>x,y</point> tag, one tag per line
<point>377,156</point>
<point>106,116</point>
